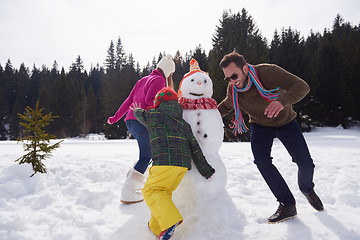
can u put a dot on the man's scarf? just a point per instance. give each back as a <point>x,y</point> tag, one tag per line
<point>269,95</point>
<point>200,103</point>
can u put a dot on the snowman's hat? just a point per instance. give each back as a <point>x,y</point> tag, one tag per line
<point>194,68</point>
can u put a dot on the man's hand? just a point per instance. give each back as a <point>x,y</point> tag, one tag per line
<point>273,109</point>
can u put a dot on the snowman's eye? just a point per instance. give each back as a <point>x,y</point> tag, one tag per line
<point>205,81</point>
<point>192,80</point>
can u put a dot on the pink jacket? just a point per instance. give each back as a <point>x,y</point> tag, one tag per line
<point>142,93</point>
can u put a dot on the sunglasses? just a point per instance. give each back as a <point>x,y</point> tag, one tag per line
<point>233,77</point>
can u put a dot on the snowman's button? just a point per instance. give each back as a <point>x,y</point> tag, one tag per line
<point>198,123</point>
<point>205,135</point>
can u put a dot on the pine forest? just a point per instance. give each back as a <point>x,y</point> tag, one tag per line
<point>83,100</point>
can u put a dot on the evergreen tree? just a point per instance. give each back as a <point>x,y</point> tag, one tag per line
<point>3,115</point>
<point>14,128</point>
<point>154,63</point>
<point>331,77</point>
<point>179,69</point>
<point>42,82</point>
<point>120,57</point>
<point>201,57</point>
<point>92,112</point>
<point>287,51</point>
<point>54,69</point>
<point>63,102</point>
<point>9,86</point>
<point>146,70</point>
<point>44,98</point>
<point>138,68</point>
<point>346,39</point>
<point>4,111</point>
<point>115,91</point>
<point>34,86</point>
<point>95,76</point>
<point>274,51</point>
<point>82,112</point>
<point>161,55</point>
<point>110,60</point>
<point>239,32</point>
<point>312,106</point>
<point>36,141</point>
<point>131,61</point>
<point>76,80</point>
<point>21,85</point>
<point>78,65</point>
<point>94,97</point>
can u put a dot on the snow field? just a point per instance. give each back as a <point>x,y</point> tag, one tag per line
<point>79,196</point>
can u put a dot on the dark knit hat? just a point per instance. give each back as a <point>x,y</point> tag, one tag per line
<point>165,94</point>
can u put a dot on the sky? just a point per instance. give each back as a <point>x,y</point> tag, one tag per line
<point>42,31</point>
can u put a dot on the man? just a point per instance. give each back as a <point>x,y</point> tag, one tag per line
<point>266,93</point>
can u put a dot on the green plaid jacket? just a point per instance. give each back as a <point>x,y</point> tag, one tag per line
<point>171,139</point>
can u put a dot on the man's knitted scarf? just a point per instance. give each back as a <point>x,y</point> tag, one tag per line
<point>270,95</point>
<point>200,103</point>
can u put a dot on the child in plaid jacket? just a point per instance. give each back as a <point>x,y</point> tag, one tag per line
<point>172,146</point>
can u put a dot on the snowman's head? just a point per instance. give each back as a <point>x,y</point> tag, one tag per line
<point>196,83</point>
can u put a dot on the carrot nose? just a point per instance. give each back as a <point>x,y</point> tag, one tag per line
<point>198,83</point>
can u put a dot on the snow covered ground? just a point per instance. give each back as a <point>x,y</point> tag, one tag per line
<point>79,196</point>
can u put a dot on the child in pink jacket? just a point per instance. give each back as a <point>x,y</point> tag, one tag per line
<point>143,93</point>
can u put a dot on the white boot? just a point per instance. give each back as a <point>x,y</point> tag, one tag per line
<point>131,191</point>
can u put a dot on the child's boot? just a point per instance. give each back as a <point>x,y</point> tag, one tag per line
<point>131,191</point>
<point>167,234</point>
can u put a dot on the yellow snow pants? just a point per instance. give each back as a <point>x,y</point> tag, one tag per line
<point>157,192</point>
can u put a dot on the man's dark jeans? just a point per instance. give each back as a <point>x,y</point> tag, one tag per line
<point>292,138</point>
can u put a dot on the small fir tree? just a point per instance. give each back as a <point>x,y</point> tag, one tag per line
<point>36,140</point>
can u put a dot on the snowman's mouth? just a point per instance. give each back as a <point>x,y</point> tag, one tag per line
<point>197,94</point>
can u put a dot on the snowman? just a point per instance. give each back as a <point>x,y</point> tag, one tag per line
<point>201,200</point>
<point>200,111</point>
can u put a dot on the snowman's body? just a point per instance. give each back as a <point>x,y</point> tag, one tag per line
<point>207,127</point>
<point>198,198</point>
<point>194,188</point>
